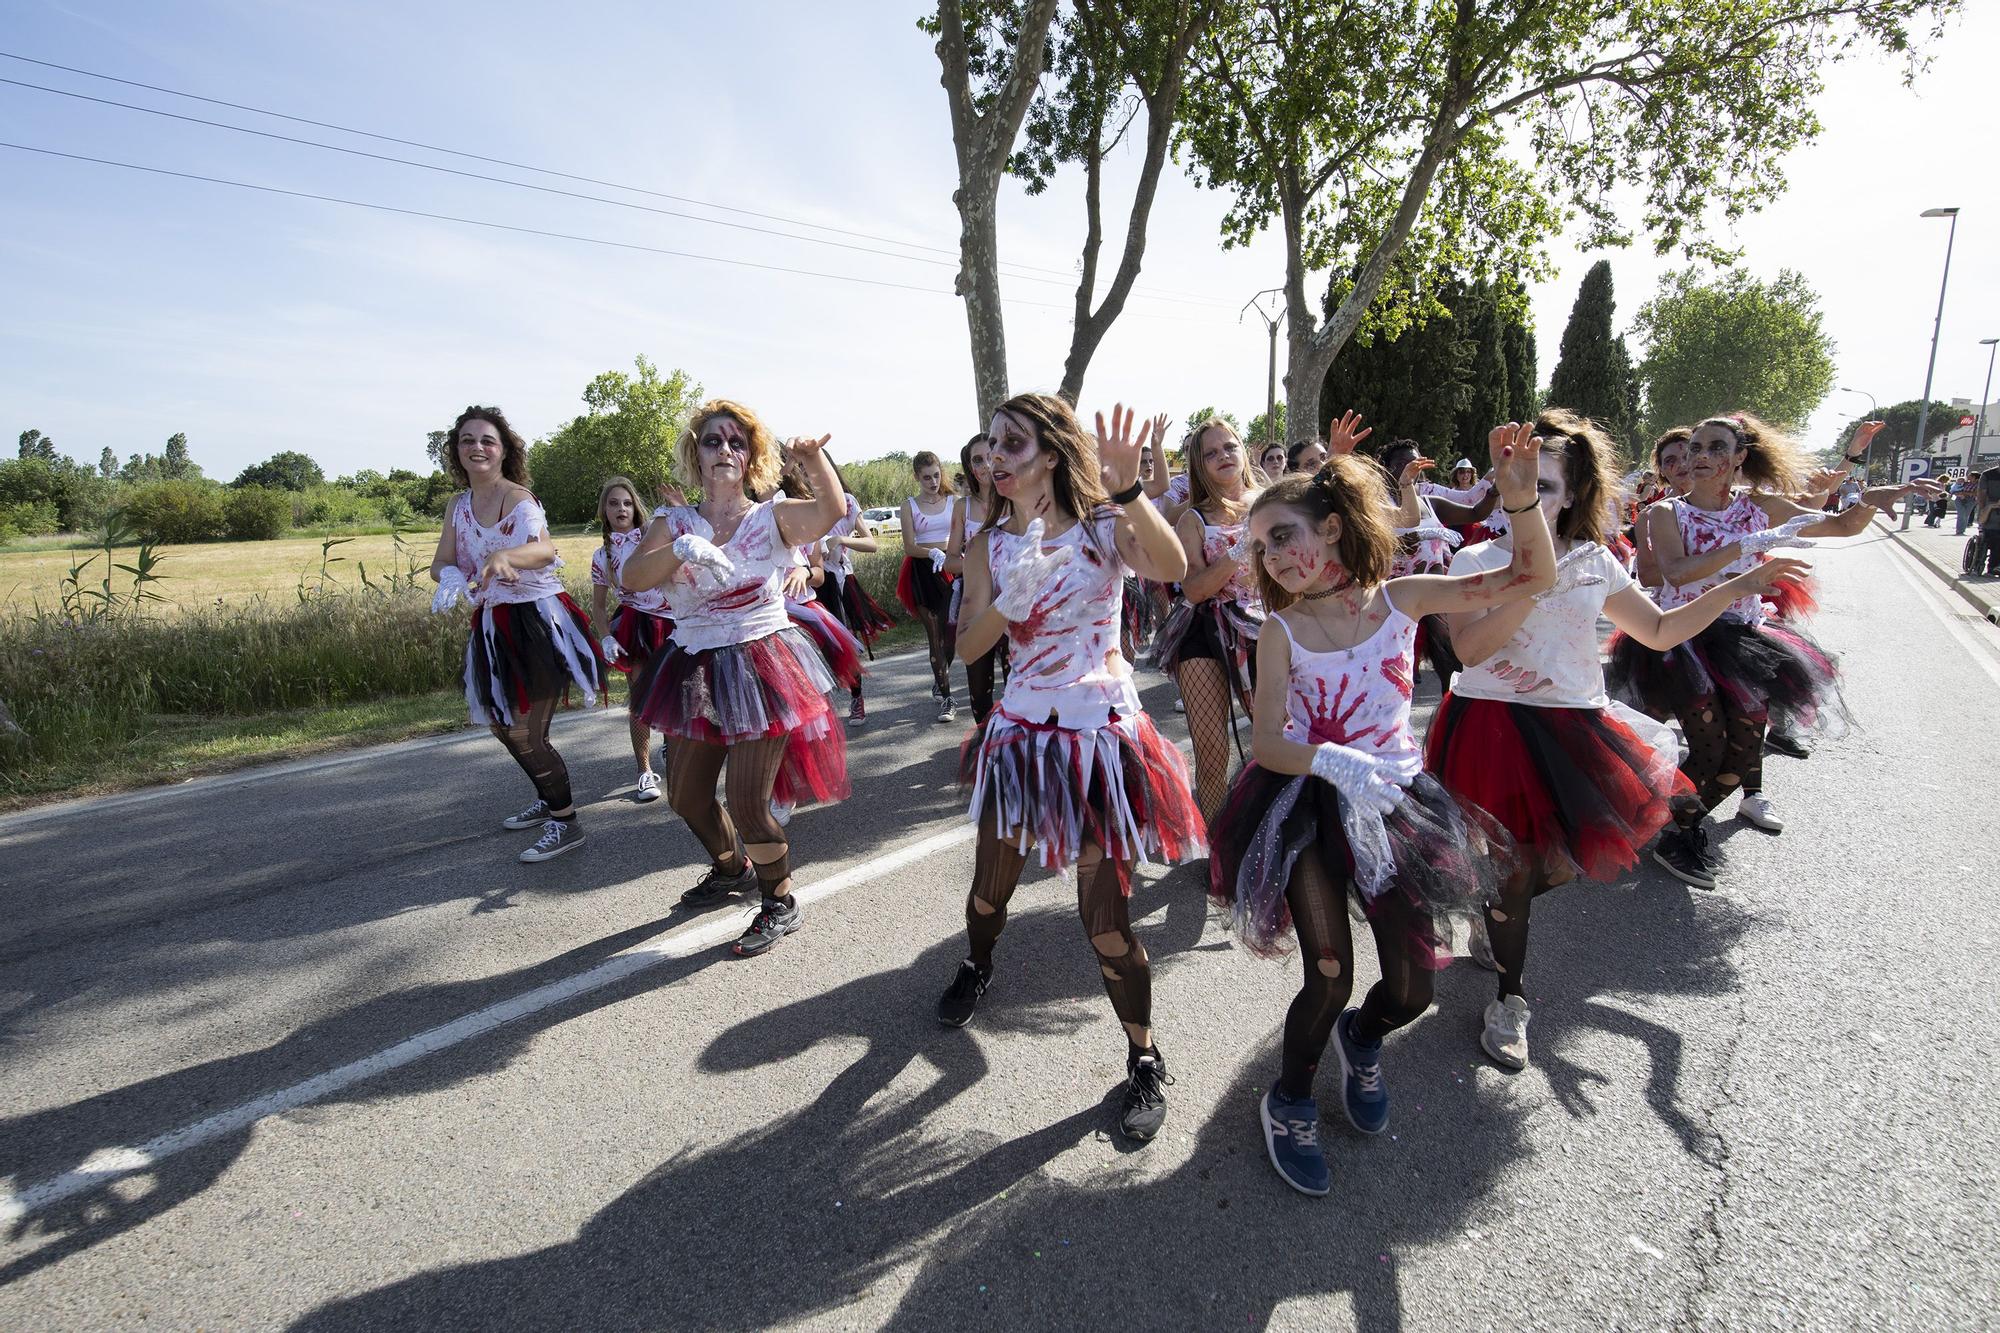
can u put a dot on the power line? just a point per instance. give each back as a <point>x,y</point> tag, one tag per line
<point>521,230</point>
<point>1160,294</point>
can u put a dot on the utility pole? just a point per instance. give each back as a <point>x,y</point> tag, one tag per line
<point>1271,323</point>
<point>1924,407</point>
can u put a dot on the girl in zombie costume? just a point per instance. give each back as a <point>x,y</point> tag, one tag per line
<point>840,591</point>
<point>924,586</point>
<point>530,642</point>
<point>741,686</point>
<point>1068,768</point>
<point>1427,533</point>
<point>1335,807</point>
<point>839,645</point>
<point>1727,684</point>
<point>1527,732</point>
<point>639,628</point>
<point>970,512</point>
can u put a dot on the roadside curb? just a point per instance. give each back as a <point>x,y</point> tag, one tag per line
<point>1984,595</point>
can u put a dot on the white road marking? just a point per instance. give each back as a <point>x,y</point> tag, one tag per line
<point>108,1164</point>
<point>1922,579</point>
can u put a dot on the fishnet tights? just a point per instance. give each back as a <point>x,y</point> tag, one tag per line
<point>1205,691</point>
<point>694,766</point>
<point>528,741</point>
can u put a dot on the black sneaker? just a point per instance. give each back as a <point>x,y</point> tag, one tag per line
<point>955,1006</point>
<point>1143,1109</point>
<point>718,884</point>
<point>535,815</point>
<point>774,921</point>
<point>1706,847</point>
<point>1679,853</point>
<point>1784,743</point>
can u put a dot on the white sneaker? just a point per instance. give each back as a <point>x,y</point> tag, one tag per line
<point>1757,810</point>
<point>782,812</point>
<point>649,787</point>
<point>1479,945</point>
<point>947,713</point>
<point>1506,1034</point>
<point>1180,705</point>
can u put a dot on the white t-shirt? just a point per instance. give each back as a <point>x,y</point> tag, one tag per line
<point>1552,660</point>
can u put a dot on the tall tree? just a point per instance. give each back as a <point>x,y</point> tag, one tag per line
<point>991,54</point>
<point>176,464</point>
<point>629,428</point>
<point>1466,132</point>
<point>1409,383</point>
<point>1486,389</point>
<point>1518,339</point>
<point>1899,435</point>
<point>288,470</point>
<point>437,447</point>
<point>107,464</point>
<point>1593,373</point>
<point>1734,343</point>
<point>34,444</point>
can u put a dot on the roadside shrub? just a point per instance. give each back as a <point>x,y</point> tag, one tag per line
<point>257,513</point>
<point>333,507</point>
<point>31,518</point>
<point>171,512</point>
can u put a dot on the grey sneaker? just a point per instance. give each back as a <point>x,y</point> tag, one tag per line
<point>1479,945</point>
<point>718,884</point>
<point>558,836</point>
<point>1506,1034</point>
<point>535,814</point>
<point>774,921</point>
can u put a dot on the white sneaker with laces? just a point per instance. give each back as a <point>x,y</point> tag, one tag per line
<point>558,836</point>
<point>1758,811</point>
<point>1506,1034</point>
<point>649,787</point>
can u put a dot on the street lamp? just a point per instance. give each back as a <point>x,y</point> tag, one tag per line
<point>1924,406</point>
<point>1271,381</point>
<point>1868,456</point>
<point>1972,450</point>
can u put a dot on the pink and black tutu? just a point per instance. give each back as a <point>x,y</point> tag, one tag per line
<point>835,641</point>
<point>1769,671</point>
<point>843,595</point>
<point>1118,786</point>
<point>1447,858</point>
<point>920,588</point>
<point>641,634</point>
<point>1219,628</point>
<point>773,686</point>
<point>1584,787</point>
<point>522,653</point>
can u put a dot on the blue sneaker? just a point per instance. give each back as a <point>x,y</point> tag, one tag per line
<point>1291,1136</point>
<point>1361,1090</point>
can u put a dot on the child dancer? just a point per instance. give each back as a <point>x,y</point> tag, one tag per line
<point>640,628</point>
<point>742,687</point>
<point>1068,765</point>
<point>1336,803</point>
<point>530,642</point>
<point>1527,732</point>
<point>924,587</point>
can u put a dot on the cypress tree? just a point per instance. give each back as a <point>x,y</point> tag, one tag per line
<point>1519,338</point>
<point>1593,374</point>
<point>1486,389</point>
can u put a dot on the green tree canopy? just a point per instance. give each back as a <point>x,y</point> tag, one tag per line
<point>629,429</point>
<point>107,464</point>
<point>1733,343</point>
<point>288,470</point>
<point>34,444</point>
<point>1593,374</point>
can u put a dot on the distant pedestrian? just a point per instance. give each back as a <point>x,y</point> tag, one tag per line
<point>1965,499</point>
<point>1989,520</point>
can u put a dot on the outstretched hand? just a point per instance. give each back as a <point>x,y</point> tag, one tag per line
<point>1785,534</point>
<point>804,446</point>
<point>671,495</point>
<point>1344,434</point>
<point>1118,450</point>
<point>1517,463</point>
<point>1779,569</point>
<point>1029,570</point>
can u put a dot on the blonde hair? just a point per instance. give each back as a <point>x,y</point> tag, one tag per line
<point>761,470</point>
<point>1351,487</point>
<point>1772,460</point>
<point>1200,493</point>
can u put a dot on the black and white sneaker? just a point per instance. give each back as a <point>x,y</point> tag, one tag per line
<point>1143,1108</point>
<point>1680,855</point>
<point>1778,741</point>
<point>955,1006</point>
<point>538,813</point>
<point>775,920</point>
<point>558,836</point>
<point>718,884</point>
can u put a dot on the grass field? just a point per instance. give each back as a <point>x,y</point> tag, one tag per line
<point>233,572</point>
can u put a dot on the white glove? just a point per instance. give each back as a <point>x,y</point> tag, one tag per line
<point>1373,782</point>
<point>1239,550</point>
<point>937,561</point>
<point>612,649</point>
<point>704,557</point>
<point>1569,577</point>
<point>1428,532</point>
<point>1785,534</point>
<point>1024,576</point>
<point>450,590</point>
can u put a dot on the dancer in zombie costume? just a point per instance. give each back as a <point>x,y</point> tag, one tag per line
<point>530,642</point>
<point>924,586</point>
<point>969,514</point>
<point>640,627</point>
<point>1527,732</point>
<point>841,591</point>
<point>1727,683</point>
<point>1336,808</point>
<point>741,687</point>
<point>1068,768</point>
<point>840,646</point>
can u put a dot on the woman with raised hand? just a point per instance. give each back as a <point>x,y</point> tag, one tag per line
<point>968,515</point>
<point>841,591</point>
<point>530,642</point>
<point>924,586</point>
<point>742,687</point>
<point>1068,768</point>
<point>640,627</point>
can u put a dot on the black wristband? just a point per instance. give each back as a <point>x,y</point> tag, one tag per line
<point>1853,461</point>
<point>1522,510</point>
<point>1129,494</point>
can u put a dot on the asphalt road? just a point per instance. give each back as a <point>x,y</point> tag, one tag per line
<point>307,1047</point>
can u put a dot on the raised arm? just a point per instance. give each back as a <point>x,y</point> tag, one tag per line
<point>1516,474</point>
<point>802,522</point>
<point>1145,541</point>
<point>1642,619</point>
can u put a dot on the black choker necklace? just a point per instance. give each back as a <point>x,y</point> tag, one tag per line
<point>1325,593</point>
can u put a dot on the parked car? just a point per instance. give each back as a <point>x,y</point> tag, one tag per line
<point>886,522</point>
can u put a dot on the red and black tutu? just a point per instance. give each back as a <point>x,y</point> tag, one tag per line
<point>1053,788</point>
<point>641,634</point>
<point>1447,858</point>
<point>1220,628</point>
<point>1793,599</point>
<point>773,686</point>
<point>521,653</point>
<point>835,641</point>
<point>843,595</point>
<point>923,589</point>
<point>1582,787</point>
<point>1766,670</point>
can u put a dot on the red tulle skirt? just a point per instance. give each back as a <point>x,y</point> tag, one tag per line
<point>834,640</point>
<point>920,588</point>
<point>1794,599</point>
<point>1581,787</point>
<point>522,653</point>
<point>641,634</point>
<point>845,597</point>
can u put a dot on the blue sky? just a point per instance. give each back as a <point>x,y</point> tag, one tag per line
<point>136,306</point>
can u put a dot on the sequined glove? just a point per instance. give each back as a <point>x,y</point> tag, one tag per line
<point>1029,571</point>
<point>613,650</point>
<point>1785,534</point>
<point>1375,783</point>
<point>704,557</point>
<point>451,590</point>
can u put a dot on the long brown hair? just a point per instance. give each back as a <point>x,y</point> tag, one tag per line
<point>1772,460</point>
<point>604,493</point>
<point>1672,435</point>
<point>1352,488</point>
<point>1586,453</point>
<point>929,459</point>
<point>1200,492</point>
<point>972,488</point>
<point>514,449</point>
<point>760,471</point>
<point>1077,483</point>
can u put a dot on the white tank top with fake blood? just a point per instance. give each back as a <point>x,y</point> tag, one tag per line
<point>752,604</point>
<point>1216,539</point>
<point>1704,530</point>
<point>835,558</point>
<point>606,562</point>
<point>1067,666</point>
<point>1359,696</point>
<point>1432,553</point>
<point>931,529</point>
<point>475,542</point>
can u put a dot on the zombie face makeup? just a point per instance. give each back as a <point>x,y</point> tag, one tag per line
<point>481,451</point>
<point>1297,553</point>
<point>1552,487</point>
<point>929,477</point>
<point>1273,461</point>
<point>1016,461</point>
<point>1715,451</point>
<point>1311,457</point>
<point>723,448</point>
<point>1221,455</point>
<point>621,510</point>
<point>1674,465</point>
<point>982,464</point>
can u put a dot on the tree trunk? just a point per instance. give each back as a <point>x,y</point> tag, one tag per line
<point>979,284</point>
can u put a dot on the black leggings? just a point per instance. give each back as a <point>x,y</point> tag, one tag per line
<point>1725,753</point>
<point>1100,900</point>
<point>979,676</point>
<point>1326,947</point>
<point>527,739</point>
<point>693,766</point>
<point>940,636</point>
